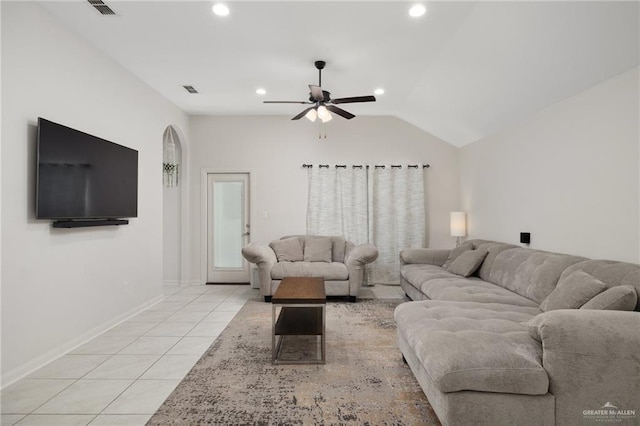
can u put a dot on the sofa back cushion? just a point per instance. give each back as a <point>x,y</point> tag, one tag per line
<point>530,273</point>
<point>288,250</point>
<point>610,272</point>
<point>338,245</point>
<point>318,250</point>
<point>493,249</point>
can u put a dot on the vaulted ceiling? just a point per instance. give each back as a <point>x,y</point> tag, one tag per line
<point>460,72</point>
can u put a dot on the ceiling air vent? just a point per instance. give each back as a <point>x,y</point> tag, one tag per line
<point>190,89</point>
<point>101,7</point>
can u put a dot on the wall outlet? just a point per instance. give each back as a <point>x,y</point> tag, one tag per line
<point>264,214</point>
<point>125,287</point>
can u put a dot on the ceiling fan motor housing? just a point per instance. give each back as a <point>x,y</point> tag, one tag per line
<point>326,97</point>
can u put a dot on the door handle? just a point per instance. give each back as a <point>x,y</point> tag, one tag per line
<point>246,234</point>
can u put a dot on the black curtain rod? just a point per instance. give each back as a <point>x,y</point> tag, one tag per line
<point>360,166</point>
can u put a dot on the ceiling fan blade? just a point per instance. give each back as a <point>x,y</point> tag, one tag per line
<point>340,112</point>
<point>302,114</point>
<point>286,102</point>
<point>316,92</point>
<point>353,100</point>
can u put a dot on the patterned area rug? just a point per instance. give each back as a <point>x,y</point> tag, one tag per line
<point>364,381</point>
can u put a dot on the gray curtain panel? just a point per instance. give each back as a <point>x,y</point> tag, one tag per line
<point>338,203</point>
<point>396,218</point>
<point>381,206</point>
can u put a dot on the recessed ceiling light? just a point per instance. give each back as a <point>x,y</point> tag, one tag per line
<point>379,91</point>
<point>220,9</point>
<point>261,91</point>
<point>417,10</point>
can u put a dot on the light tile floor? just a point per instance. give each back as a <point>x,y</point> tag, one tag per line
<point>123,376</point>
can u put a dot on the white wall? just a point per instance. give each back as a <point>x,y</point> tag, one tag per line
<point>568,174</point>
<point>59,286</point>
<point>275,148</point>
<point>0,191</point>
<point>171,235</point>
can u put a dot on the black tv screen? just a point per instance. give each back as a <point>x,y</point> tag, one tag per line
<point>80,176</point>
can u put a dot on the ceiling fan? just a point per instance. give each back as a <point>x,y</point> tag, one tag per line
<point>322,101</point>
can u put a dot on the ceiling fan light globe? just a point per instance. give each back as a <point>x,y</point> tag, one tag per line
<point>311,115</point>
<point>322,112</point>
<point>327,118</point>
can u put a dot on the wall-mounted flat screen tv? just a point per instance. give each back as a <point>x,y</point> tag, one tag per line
<point>80,176</point>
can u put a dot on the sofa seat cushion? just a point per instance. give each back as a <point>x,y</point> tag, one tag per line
<point>472,290</point>
<point>328,271</point>
<point>474,346</point>
<point>417,274</point>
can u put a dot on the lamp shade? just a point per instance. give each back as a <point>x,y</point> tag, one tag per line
<point>458,224</point>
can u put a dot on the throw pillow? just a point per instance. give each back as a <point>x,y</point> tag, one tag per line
<point>457,252</point>
<point>467,263</point>
<point>618,298</point>
<point>289,250</point>
<point>318,250</point>
<point>573,291</point>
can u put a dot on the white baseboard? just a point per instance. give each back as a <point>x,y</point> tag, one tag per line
<point>12,376</point>
<point>192,282</point>
<point>182,283</point>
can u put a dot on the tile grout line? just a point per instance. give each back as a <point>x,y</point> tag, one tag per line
<point>236,299</point>
<point>164,354</point>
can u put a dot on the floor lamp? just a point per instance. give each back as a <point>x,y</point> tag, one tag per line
<point>458,226</point>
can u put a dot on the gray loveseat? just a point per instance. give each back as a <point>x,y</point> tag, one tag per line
<point>341,263</point>
<point>528,338</point>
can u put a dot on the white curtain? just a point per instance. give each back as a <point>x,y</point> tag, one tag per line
<point>338,203</point>
<point>383,206</point>
<point>396,217</point>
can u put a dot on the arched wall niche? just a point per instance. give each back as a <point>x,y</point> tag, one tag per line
<point>174,209</point>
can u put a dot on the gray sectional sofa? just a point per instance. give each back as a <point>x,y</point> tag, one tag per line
<point>341,263</point>
<point>527,338</point>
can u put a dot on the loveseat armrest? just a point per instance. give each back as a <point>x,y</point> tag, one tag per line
<point>361,254</point>
<point>258,253</point>
<point>264,257</point>
<point>592,358</point>
<point>424,255</point>
<point>356,258</point>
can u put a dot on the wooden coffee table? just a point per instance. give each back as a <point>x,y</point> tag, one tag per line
<point>302,303</point>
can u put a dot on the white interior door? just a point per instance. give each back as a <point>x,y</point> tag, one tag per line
<point>227,227</point>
